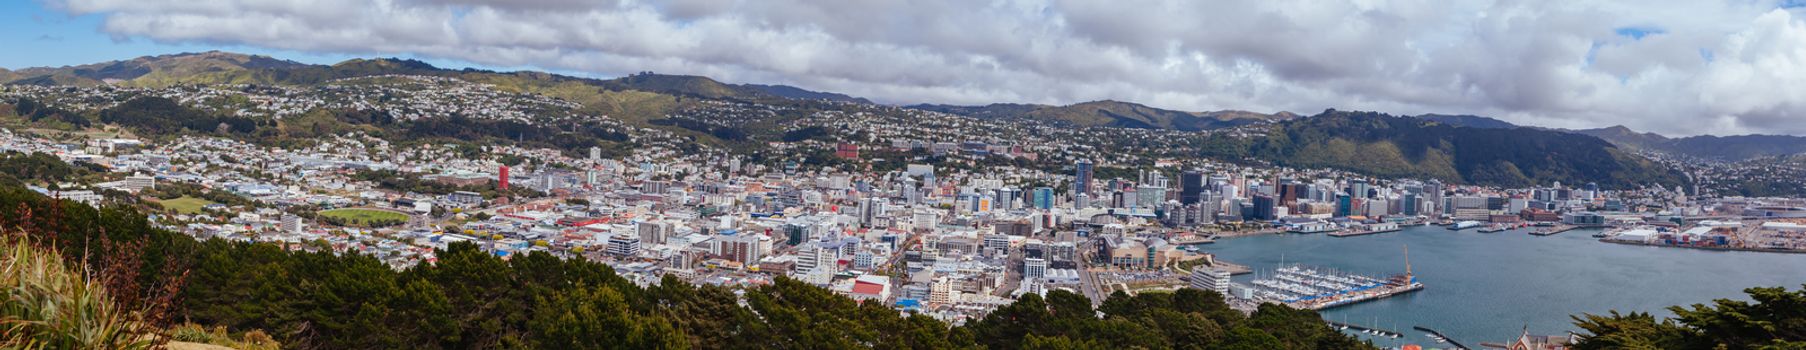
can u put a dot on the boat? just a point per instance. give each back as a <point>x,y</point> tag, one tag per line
<point>1494,228</point>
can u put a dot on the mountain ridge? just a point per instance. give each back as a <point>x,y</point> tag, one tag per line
<point>1399,146</point>
<point>1112,113</point>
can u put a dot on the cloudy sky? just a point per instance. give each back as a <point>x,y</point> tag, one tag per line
<point>1673,67</point>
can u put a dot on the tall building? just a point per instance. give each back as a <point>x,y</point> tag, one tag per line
<point>1191,187</point>
<point>1264,208</point>
<point>595,153</point>
<point>1357,188</point>
<point>652,232</point>
<point>1082,172</point>
<point>503,177</point>
<point>1044,197</point>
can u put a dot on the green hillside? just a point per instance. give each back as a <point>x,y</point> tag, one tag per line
<point>1724,148</point>
<point>1113,114</point>
<point>1389,146</point>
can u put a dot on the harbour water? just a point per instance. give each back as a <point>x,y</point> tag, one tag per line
<point>1486,287</point>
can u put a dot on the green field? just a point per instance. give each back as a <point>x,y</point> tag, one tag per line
<point>185,205</point>
<point>363,217</point>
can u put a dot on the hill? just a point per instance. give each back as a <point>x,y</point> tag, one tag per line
<point>203,67</point>
<point>1385,145</point>
<point>215,67</point>
<point>1724,148</point>
<point>1468,121</point>
<point>1113,114</point>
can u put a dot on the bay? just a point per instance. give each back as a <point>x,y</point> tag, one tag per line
<point>1488,287</point>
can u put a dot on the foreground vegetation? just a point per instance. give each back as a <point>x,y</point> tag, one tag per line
<point>46,304</point>
<point>1776,319</point>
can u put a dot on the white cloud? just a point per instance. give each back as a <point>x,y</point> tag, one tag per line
<point>1543,62</point>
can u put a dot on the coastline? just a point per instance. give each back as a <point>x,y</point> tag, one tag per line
<point>1728,249</point>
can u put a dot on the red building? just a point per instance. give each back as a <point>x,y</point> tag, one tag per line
<point>504,177</point>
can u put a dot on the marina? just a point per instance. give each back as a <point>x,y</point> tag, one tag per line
<point>1318,288</point>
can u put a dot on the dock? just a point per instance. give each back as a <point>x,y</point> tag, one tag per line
<point>1440,335</point>
<point>1365,329</point>
<point>1193,240</point>
<point>1551,231</point>
<point>1359,233</point>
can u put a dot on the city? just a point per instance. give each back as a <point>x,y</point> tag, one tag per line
<point>548,210</point>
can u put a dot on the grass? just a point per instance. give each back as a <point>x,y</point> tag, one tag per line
<point>47,304</point>
<point>363,217</point>
<point>186,205</point>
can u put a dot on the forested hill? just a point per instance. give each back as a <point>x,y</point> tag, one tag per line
<point>1113,114</point>
<point>214,67</point>
<point>1724,148</point>
<point>470,299</point>
<point>1385,145</point>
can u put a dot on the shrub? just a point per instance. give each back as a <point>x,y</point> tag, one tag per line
<point>47,304</point>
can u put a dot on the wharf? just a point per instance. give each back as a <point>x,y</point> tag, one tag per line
<point>1359,233</point>
<point>1193,240</point>
<point>1440,335</point>
<point>1369,330</point>
<point>1357,298</point>
<point>1551,231</point>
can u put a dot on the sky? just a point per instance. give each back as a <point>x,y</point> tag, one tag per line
<point>1672,67</point>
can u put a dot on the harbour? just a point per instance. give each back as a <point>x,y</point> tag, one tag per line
<point>1572,274</point>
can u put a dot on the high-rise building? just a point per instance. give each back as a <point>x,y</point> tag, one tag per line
<point>1263,208</point>
<point>595,153</point>
<point>1191,187</point>
<point>1357,188</point>
<point>1344,205</point>
<point>1044,197</point>
<point>1082,173</point>
<point>652,232</point>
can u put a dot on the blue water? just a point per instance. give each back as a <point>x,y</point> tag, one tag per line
<point>1489,286</point>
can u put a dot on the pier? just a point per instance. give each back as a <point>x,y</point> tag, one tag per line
<point>1439,335</point>
<point>1376,331</point>
<point>1551,231</point>
<point>1193,240</point>
<point>1360,233</point>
